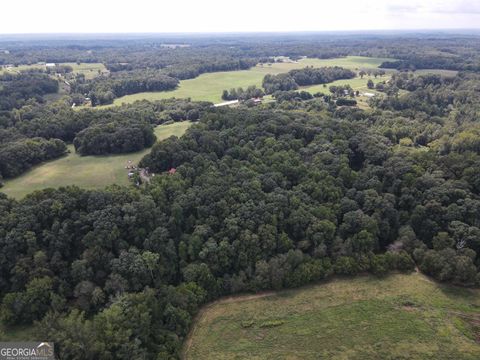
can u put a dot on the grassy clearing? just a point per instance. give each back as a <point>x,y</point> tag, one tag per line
<point>206,87</point>
<point>349,62</point>
<point>90,70</point>
<point>91,172</point>
<point>19,68</point>
<point>209,87</point>
<point>399,317</point>
<point>447,73</point>
<point>355,83</point>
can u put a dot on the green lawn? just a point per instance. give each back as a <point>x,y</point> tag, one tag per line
<point>91,172</point>
<point>399,317</point>
<point>209,87</point>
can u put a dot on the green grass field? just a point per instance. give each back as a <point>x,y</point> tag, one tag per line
<point>398,317</point>
<point>21,68</point>
<point>349,62</point>
<point>356,84</point>
<point>209,87</point>
<point>448,73</point>
<point>90,70</point>
<point>91,172</point>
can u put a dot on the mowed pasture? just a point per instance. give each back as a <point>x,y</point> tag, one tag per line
<point>90,172</point>
<point>209,86</point>
<point>397,317</point>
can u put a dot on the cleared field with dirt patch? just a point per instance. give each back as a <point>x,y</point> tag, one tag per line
<point>398,317</point>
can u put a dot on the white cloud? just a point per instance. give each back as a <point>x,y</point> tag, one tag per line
<point>87,16</point>
<point>451,7</point>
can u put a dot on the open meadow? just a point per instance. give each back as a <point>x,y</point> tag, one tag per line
<point>90,172</point>
<point>90,70</point>
<point>357,84</point>
<point>397,317</point>
<point>209,86</point>
<point>441,72</point>
<point>19,68</point>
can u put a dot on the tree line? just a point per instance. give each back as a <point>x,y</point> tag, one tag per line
<point>19,153</point>
<point>302,77</point>
<point>114,137</point>
<point>250,92</point>
<point>103,90</point>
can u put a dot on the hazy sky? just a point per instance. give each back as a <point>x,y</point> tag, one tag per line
<point>86,16</point>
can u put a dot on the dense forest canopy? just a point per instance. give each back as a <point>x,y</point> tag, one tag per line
<point>17,89</point>
<point>104,90</point>
<point>114,137</point>
<point>278,195</point>
<point>314,76</point>
<point>456,51</point>
<point>261,199</point>
<point>19,153</point>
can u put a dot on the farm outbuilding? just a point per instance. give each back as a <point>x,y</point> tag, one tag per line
<point>226,103</point>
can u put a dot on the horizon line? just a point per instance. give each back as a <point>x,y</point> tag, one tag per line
<point>425,30</point>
